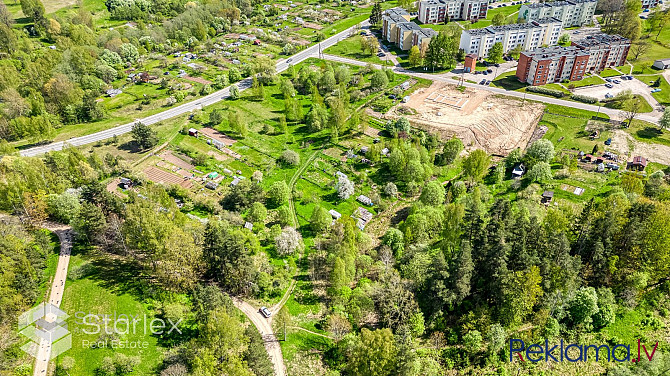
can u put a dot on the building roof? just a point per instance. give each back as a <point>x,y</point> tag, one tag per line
<point>334,213</point>
<point>472,56</point>
<point>425,32</point>
<point>408,26</point>
<point>664,61</point>
<point>548,194</point>
<point>559,3</point>
<point>555,52</point>
<point>397,11</point>
<point>638,160</point>
<point>522,26</point>
<point>601,38</point>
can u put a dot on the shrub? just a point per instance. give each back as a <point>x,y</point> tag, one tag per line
<point>584,99</point>
<point>544,90</point>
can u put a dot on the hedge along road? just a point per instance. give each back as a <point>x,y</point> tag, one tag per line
<point>190,106</point>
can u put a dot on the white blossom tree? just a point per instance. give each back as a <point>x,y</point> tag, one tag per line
<point>288,241</point>
<point>344,187</point>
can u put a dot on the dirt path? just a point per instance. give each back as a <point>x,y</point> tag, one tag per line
<point>56,293</point>
<point>628,146</point>
<point>264,327</point>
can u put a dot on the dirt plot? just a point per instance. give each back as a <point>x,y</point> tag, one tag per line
<point>197,79</point>
<point>175,160</point>
<point>157,175</point>
<point>479,118</point>
<point>628,147</point>
<point>216,135</point>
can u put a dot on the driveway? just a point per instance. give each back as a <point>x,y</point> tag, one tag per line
<point>264,327</point>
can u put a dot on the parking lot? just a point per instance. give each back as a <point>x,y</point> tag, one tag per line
<point>635,86</point>
<point>478,77</point>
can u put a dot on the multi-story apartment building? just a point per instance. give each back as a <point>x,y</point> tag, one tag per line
<point>570,12</point>
<point>556,64</point>
<point>552,64</point>
<point>605,50</point>
<point>397,29</point>
<point>436,11</point>
<point>531,35</point>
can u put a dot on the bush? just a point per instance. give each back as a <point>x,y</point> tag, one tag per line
<point>544,90</point>
<point>290,157</point>
<point>584,99</point>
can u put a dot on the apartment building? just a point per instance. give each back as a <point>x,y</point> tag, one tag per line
<point>605,50</point>
<point>397,29</point>
<point>570,12</point>
<point>556,64</point>
<point>531,35</point>
<point>552,64</point>
<point>437,11</point>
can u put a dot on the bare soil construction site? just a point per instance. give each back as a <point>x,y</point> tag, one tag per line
<point>477,117</point>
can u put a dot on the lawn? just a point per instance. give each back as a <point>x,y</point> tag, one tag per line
<point>609,72</point>
<point>568,132</point>
<point>508,81</point>
<point>645,106</point>
<point>647,132</point>
<point>109,288</point>
<point>663,96</point>
<point>351,48</point>
<point>587,81</point>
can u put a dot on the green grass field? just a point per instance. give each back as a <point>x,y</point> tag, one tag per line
<point>663,96</point>
<point>587,81</point>
<point>351,48</point>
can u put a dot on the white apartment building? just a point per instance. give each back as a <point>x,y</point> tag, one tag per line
<point>570,12</point>
<point>531,35</point>
<point>438,11</point>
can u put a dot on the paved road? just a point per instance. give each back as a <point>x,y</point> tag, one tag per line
<point>56,296</point>
<point>264,327</point>
<point>190,106</point>
<point>614,114</point>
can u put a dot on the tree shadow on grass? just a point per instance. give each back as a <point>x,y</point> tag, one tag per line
<point>121,277</point>
<point>649,133</point>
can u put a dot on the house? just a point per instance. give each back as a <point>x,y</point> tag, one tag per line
<point>547,196</point>
<point>661,64</point>
<point>249,226</point>
<point>362,217</point>
<point>600,160</point>
<point>335,214</point>
<point>613,166</point>
<point>125,183</point>
<point>364,200</point>
<point>405,99</point>
<point>588,158</point>
<point>211,185</point>
<point>405,85</point>
<point>600,167</point>
<point>212,175</point>
<point>193,132</point>
<point>364,149</point>
<point>257,42</point>
<point>113,92</point>
<point>519,170</point>
<point>235,182</point>
<point>638,164</point>
<point>227,171</point>
<point>385,151</point>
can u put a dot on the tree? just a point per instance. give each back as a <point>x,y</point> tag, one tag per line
<point>376,14</point>
<point>34,10</point>
<point>234,92</point>
<point>541,150</point>
<point>540,172</point>
<point>433,194</point>
<point>290,157</point>
<point>450,151</point>
<point>369,45</point>
<point>499,19</point>
<point>374,353</point>
<point>129,53</point>
<point>639,48</point>
<point>344,187</point>
<point>564,39</point>
<point>441,51</point>
<point>496,53</point>
<point>288,241</point>
<point>317,117</point>
<point>379,80</point>
<point>320,219</point>
<point>338,326</point>
<point>664,122</point>
<point>631,109</point>
<point>215,117</point>
<point>476,164</point>
<point>583,306</point>
<point>278,193</point>
<point>415,56</point>
<point>144,136</point>
<point>257,213</point>
<point>390,189</point>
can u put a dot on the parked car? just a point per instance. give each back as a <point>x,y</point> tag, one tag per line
<point>289,60</point>
<point>608,96</point>
<point>630,77</point>
<point>645,11</point>
<point>617,81</point>
<point>482,82</point>
<point>485,73</point>
<point>488,82</point>
<point>496,65</point>
<point>609,85</point>
<point>392,96</point>
<point>381,54</point>
<point>489,70</point>
<point>656,90</point>
<point>608,142</point>
<point>608,79</point>
<point>265,312</point>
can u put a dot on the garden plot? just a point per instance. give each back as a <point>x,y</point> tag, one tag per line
<point>157,175</point>
<point>480,119</point>
<point>572,189</point>
<point>178,161</point>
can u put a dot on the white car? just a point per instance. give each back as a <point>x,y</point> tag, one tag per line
<point>265,312</point>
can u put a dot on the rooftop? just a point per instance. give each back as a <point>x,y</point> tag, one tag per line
<point>408,26</point>
<point>598,39</point>
<point>522,26</point>
<point>559,3</point>
<point>555,51</point>
<point>426,32</point>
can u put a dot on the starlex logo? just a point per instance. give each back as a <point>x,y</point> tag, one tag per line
<point>576,353</point>
<point>46,328</point>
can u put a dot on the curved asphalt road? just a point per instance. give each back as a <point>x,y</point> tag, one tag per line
<point>190,106</point>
